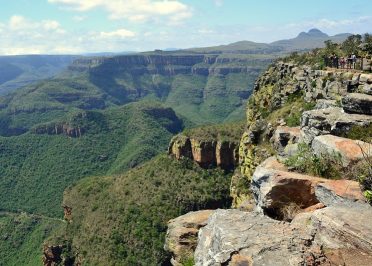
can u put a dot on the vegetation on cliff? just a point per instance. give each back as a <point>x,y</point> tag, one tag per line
<point>121,220</point>
<point>22,236</point>
<point>37,166</point>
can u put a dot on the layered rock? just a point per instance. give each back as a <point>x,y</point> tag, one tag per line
<point>330,121</point>
<point>329,236</point>
<point>358,103</point>
<point>282,194</point>
<point>347,150</point>
<point>206,153</point>
<point>182,235</point>
<point>59,128</point>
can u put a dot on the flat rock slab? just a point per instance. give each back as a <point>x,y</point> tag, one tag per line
<point>329,121</point>
<point>348,150</point>
<point>358,103</point>
<point>336,235</point>
<point>232,236</point>
<point>340,227</point>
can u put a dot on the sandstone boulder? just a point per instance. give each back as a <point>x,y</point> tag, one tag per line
<point>359,103</point>
<point>336,235</point>
<point>346,150</point>
<point>282,194</point>
<point>329,121</point>
<point>346,229</point>
<point>365,78</point>
<point>276,190</point>
<point>182,234</point>
<point>339,192</point>
<point>232,236</point>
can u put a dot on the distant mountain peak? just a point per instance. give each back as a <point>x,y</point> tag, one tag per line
<point>313,33</point>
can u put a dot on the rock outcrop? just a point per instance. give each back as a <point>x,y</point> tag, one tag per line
<point>211,153</point>
<point>182,235</point>
<point>52,255</point>
<point>329,236</point>
<point>357,103</point>
<point>347,150</point>
<point>297,218</point>
<point>330,121</point>
<point>217,146</point>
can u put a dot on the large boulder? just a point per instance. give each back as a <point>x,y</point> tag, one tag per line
<point>346,230</point>
<point>275,190</point>
<point>359,103</point>
<point>337,235</point>
<point>233,236</point>
<point>282,194</point>
<point>329,121</point>
<point>182,235</point>
<point>347,150</point>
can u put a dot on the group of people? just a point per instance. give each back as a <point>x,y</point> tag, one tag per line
<point>341,62</point>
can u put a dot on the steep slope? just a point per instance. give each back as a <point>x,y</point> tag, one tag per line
<point>121,220</point>
<point>22,237</point>
<point>18,71</point>
<point>37,166</point>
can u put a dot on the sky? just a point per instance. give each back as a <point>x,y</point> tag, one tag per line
<point>87,26</point>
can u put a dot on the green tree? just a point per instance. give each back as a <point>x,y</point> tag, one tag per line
<point>352,44</point>
<point>330,47</point>
<point>367,44</point>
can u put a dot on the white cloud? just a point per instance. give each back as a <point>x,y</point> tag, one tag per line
<point>133,10</point>
<point>121,33</point>
<point>20,35</point>
<point>20,23</point>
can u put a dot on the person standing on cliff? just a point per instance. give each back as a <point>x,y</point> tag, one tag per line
<point>354,59</point>
<point>342,62</point>
<point>335,61</point>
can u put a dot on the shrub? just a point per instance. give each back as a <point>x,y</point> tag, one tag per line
<point>328,166</point>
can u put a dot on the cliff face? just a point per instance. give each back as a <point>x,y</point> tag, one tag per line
<point>166,64</point>
<point>304,128</point>
<point>335,94</point>
<point>205,153</point>
<point>217,147</point>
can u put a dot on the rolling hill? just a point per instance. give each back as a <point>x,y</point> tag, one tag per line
<point>18,71</point>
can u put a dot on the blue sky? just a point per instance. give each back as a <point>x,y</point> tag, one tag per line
<point>78,26</point>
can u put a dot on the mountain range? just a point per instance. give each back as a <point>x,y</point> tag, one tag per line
<point>18,71</point>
